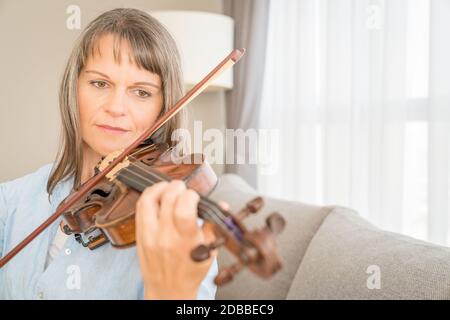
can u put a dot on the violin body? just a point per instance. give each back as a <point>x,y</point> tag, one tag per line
<point>110,205</point>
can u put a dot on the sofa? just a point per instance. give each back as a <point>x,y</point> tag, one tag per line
<point>330,252</point>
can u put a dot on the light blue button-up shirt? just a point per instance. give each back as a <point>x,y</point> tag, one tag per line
<point>75,272</point>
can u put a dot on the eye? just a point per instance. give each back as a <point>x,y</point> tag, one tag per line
<point>99,84</point>
<point>142,93</point>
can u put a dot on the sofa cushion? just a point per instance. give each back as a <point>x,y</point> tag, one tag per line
<point>302,222</point>
<point>346,256</point>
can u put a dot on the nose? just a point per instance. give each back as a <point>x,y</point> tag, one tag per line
<point>116,106</point>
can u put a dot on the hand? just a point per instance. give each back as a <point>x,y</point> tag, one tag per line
<point>166,233</point>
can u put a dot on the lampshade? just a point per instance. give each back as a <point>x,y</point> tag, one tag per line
<point>204,39</point>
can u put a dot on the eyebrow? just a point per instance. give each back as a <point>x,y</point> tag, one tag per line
<point>136,83</point>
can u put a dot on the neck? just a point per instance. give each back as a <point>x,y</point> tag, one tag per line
<point>90,160</point>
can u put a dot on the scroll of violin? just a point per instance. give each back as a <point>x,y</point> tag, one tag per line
<point>102,209</point>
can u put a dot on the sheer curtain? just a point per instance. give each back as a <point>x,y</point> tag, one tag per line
<point>359,91</point>
<point>250,18</point>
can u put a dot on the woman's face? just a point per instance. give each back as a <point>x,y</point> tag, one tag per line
<point>118,101</point>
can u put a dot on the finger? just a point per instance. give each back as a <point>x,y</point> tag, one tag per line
<point>168,200</point>
<point>209,236</point>
<point>147,208</point>
<point>185,214</point>
<point>224,205</point>
<point>208,232</point>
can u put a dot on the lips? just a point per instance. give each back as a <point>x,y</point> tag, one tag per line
<point>111,129</point>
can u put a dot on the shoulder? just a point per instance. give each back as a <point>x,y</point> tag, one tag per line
<point>35,182</point>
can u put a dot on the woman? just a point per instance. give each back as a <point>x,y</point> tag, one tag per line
<point>123,73</point>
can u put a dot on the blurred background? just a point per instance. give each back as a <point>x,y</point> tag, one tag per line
<point>358,92</point>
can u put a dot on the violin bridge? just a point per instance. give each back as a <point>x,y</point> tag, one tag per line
<point>110,158</point>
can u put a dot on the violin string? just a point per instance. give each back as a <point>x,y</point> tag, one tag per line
<point>143,186</point>
<point>210,206</point>
<point>156,175</point>
<point>204,201</point>
<point>207,204</point>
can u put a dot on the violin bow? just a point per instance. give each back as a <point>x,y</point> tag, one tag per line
<point>226,63</point>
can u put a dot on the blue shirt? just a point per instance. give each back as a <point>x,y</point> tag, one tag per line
<point>75,272</point>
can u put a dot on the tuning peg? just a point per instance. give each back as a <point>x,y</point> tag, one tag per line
<point>251,207</point>
<point>202,252</point>
<point>226,274</point>
<point>275,223</point>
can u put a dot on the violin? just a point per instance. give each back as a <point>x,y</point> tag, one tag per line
<point>102,210</point>
<point>110,207</point>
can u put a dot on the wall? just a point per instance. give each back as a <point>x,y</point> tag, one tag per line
<point>35,44</point>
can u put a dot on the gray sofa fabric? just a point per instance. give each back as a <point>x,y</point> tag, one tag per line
<point>347,253</point>
<point>329,252</point>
